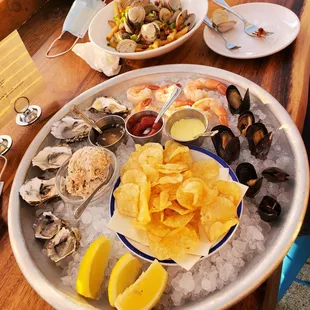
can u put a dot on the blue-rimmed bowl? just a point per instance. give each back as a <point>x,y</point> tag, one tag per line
<point>142,251</point>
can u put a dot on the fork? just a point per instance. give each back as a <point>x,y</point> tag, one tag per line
<point>229,45</point>
<point>249,28</point>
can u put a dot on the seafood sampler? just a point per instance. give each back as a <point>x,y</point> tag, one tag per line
<point>139,26</point>
<point>229,110</point>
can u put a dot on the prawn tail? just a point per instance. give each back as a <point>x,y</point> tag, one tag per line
<point>222,88</point>
<point>145,103</point>
<point>223,120</point>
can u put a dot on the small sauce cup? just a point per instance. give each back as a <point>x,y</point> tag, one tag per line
<point>134,119</point>
<point>184,114</point>
<point>114,133</point>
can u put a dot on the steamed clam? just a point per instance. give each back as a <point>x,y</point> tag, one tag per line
<point>136,15</point>
<point>269,209</point>
<point>52,157</point>
<point>70,129</point>
<point>151,13</point>
<point>126,46</point>
<point>275,175</point>
<point>165,15</point>
<point>245,120</point>
<point>109,105</point>
<point>247,175</point>
<point>221,21</point>
<point>227,146</point>
<point>185,19</point>
<point>174,5</point>
<point>37,191</point>
<point>259,140</point>
<point>64,243</point>
<point>150,32</point>
<point>236,104</point>
<point>47,225</point>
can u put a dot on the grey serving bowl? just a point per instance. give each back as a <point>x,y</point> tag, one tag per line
<point>45,277</point>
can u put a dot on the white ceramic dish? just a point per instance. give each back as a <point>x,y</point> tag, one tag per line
<point>99,28</point>
<point>143,251</point>
<point>272,17</point>
<point>45,277</point>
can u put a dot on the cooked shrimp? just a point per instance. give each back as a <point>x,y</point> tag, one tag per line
<point>197,89</point>
<point>137,94</point>
<point>182,103</point>
<point>145,104</point>
<point>163,93</point>
<point>211,105</point>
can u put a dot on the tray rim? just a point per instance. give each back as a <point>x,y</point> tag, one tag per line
<point>253,279</point>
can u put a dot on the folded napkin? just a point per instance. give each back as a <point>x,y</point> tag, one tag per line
<point>98,59</point>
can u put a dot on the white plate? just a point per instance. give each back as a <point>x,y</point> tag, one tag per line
<point>272,17</point>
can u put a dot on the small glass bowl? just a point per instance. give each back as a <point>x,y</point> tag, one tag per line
<point>77,200</point>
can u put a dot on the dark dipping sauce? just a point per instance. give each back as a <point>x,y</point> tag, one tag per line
<point>112,133</point>
<point>137,128</point>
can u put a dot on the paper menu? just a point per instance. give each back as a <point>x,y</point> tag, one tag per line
<point>18,75</point>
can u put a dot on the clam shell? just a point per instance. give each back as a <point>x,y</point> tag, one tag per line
<point>226,26</point>
<point>126,46</point>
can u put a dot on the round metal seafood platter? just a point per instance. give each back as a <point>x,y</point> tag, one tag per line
<point>46,277</point>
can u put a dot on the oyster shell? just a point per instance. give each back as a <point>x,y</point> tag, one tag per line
<point>47,225</point>
<point>70,129</point>
<point>64,243</point>
<point>109,106</point>
<point>37,191</point>
<point>52,157</point>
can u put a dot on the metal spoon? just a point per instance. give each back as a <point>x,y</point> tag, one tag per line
<point>81,208</point>
<point>207,134</point>
<point>173,96</point>
<point>77,112</point>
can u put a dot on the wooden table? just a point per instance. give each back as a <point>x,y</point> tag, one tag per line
<point>285,75</point>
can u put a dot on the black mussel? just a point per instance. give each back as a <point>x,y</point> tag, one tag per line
<point>227,146</point>
<point>269,209</point>
<point>275,175</point>
<point>259,140</point>
<point>236,104</point>
<point>245,120</point>
<point>247,175</point>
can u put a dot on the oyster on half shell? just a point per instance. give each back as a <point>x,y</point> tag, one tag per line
<point>109,105</point>
<point>52,157</point>
<point>37,191</point>
<point>47,225</point>
<point>70,129</point>
<point>64,243</point>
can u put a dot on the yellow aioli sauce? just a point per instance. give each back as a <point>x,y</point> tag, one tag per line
<point>187,129</point>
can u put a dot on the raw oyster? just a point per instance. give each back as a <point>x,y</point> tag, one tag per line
<point>64,243</point>
<point>37,191</point>
<point>70,129</point>
<point>47,225</point>
<point>109,106</point>
<point>52,157</point>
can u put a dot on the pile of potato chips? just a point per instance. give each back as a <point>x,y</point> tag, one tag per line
<point>169,196</point>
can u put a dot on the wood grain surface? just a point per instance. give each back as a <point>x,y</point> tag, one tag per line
<point>285,75</point>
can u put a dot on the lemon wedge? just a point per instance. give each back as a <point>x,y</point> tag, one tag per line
<point>124,273</point>
<point>146,291</point>
<point>91,271</point>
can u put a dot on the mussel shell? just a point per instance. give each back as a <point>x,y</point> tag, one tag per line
<point>275,175</point>
<point>247,175</point>
<point>259,140</point>
<point>227,146</point>
<point>269,209</point>
<point>236,104</point>
<point>246,119</point>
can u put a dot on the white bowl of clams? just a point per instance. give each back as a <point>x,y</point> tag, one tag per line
<point>142,29</point>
